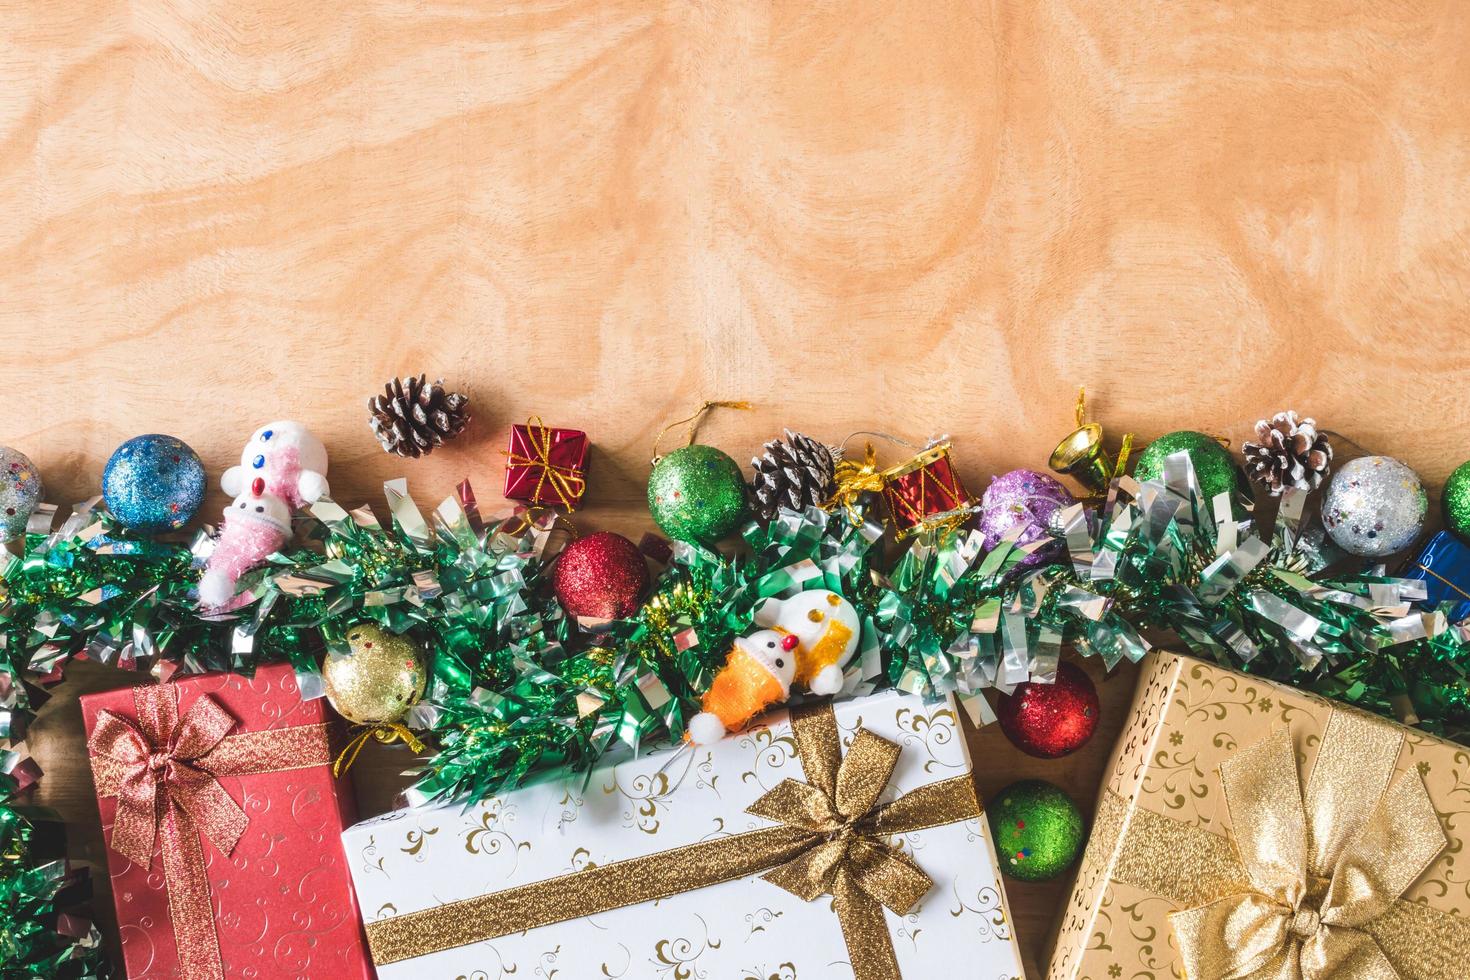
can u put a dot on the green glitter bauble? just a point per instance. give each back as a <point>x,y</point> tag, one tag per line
<point>697,494</point>
<point>1038,830</point>
<point>1214,469</point>
<point>1456,501</point>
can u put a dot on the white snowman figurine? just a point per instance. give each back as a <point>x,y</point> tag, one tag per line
<point>282,467</point>
<point>291,461</point>
<point>827,629</point>
<point>256,525</point>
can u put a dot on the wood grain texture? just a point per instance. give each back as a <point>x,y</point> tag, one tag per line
<point>913,217</point>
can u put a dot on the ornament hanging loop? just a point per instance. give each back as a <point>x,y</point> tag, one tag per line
<point>385,732</point>
<point>693,423</point>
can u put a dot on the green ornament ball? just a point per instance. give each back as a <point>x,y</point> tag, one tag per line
<point>1456,502</point>
<point>697,494</point>
<point>1038,830</point>
<point>1214,469</point>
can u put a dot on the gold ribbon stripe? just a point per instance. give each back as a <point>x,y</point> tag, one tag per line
<point>830,838</point>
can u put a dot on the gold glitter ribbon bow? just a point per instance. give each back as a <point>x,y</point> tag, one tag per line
<point>853,479</point>
<point>1308,886</point>
<point>830,838</point>
<point>566,481</point>
<point>164,771</point>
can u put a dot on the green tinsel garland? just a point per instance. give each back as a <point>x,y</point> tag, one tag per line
<point>35,943</point>
<point>517,689</point>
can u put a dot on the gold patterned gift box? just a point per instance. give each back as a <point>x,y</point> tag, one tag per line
<point>1249,830</point>
<point>841,841</point>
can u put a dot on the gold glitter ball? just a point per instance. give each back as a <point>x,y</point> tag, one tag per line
<point>379,680</point>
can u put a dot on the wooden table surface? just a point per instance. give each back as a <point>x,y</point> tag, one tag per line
<point>919,218</point>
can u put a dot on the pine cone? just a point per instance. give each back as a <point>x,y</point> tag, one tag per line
<point>1291,453</point>
<point>412,419</point>
<point>795,474</point>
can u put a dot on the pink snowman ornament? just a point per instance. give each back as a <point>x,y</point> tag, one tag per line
<point>292,461</point>
<point>282,467</point>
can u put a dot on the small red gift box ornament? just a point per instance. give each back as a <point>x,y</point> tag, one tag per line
<point>546,466</point>
<point>925,492</point>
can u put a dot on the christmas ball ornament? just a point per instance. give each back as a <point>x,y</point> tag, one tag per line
<point>379,680</point>
<point>697,493</point>
<point>1456,501</point>
<point>1038,830</point>
<point>1214,469</point>
<point>602,576</point>
<point>20,492</point>
<point>1051,720</point>
<point>1374,506</point>
<point>1023,498</point>
<point>153,483</point>
<point>757,674</point>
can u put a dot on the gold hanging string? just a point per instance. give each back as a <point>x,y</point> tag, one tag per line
<point>693,423</point>
<point>386,732</point>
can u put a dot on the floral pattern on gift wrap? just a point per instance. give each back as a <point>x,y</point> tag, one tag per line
<point>677,958</point>
<point>984,903</point>
<point>491,836</point>
<point>927,731</point>
<point>1210,708</point>
<point>647,795</point>
<point>415,841</point>
<point>1447,881</point>
<point>772,754</point>
<point>759,919</point>
<point>786,971</point>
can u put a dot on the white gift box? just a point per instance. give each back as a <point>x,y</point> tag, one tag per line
<point>745,929</point>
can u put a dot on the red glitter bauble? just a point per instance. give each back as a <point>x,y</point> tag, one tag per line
<point>601,576</point>
<point>1051,720</point>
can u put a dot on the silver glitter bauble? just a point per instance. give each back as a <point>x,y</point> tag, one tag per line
<point>20,492</point>
<point>1374,506</point>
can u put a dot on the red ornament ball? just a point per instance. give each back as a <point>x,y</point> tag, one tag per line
<point>601,576</point>
<point>1051,720</point>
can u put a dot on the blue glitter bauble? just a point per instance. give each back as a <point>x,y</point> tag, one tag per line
<point>153,483</point>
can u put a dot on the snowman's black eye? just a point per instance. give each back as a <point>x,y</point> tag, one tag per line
<point>780,664</point>
<point>242,505</point>
<point>771,644</point>
<point>259,509</point>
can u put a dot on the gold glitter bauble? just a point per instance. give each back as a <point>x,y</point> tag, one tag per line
<point>379,680</point>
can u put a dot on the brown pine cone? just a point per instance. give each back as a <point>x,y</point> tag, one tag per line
<point>1290,453</point>
<point>794,474</point>
<point>412,418</point>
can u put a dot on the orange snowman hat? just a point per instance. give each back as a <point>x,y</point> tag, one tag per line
<point>756,675</point>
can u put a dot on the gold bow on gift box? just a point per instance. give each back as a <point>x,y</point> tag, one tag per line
<point>1308,884</point>
<point>830,838</point>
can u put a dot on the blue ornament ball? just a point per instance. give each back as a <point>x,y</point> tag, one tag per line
<point>153,483</point>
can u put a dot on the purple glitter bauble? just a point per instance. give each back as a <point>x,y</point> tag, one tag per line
<point>1021,497</point>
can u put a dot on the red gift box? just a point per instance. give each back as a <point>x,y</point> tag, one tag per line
<point>546,466</point>
<point>925,491</point>
<point>223,825</point>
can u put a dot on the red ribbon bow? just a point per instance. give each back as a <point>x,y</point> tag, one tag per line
<point>165,772</point>
<point>166,776</point>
